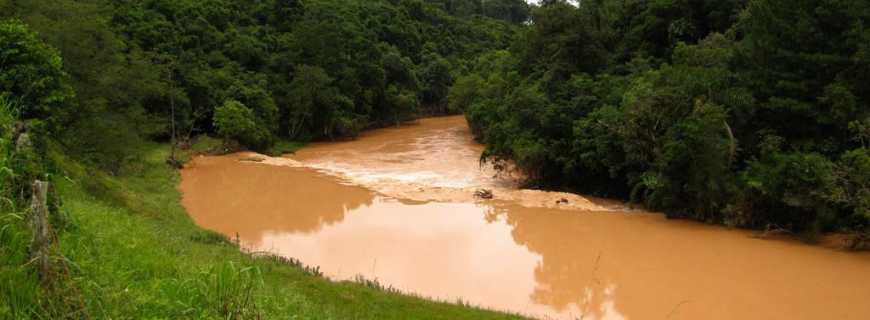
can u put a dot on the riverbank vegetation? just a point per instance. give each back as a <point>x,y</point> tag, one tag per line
<point>749,113</point>
<point>126,248</point>
<point>97,96</point>
<point>299,70</point>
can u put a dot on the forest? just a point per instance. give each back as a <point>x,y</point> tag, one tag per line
<point>747,113</point>
<point>285,69</point>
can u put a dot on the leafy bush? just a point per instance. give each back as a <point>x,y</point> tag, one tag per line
<point>35,94</point>
<point>853,172</point>
<point>436,80</point>
<point>228,291</point>
<point>233,120</point>
<point>790,190</point>
<point>104,140</point>
<point>463,92</point>
<point>32,74</point>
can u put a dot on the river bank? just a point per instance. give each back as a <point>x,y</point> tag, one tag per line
<point>397,205</point>
<point>133,252</point>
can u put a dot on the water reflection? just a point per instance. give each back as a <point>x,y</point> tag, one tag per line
<point>643,266</point>
<point>498,256</point>
<point>444,251</point>
<point>571,264</point>
<point>569,278</point>
<point>250,200</point>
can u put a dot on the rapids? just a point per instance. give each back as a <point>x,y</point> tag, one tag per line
<point>397,205</point>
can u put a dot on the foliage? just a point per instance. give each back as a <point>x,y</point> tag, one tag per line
<point>21,160</point>
<point>853,192</point>
<point>750,113</point>
<point>516,11</point>
<point>138,66</point>
<point>32,74</point>
<point>789,190</point>
<point>6,123</point>
<point>318,104</point>
<point>233,120</point>
<point>436,80</point>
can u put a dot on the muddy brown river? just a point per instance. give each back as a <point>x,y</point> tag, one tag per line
<point>397,205</point>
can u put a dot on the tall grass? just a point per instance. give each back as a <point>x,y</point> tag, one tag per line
<point>132,252</point>
<point>229,289</point>
<point>6,120</point>
<point>26,291</point>
<point>19,288</point>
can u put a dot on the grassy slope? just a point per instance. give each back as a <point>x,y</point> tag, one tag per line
<point>136,254</point>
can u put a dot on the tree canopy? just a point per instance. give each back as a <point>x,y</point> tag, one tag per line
<point>750,113</point>
<point>305,69</point>
<point>32,76</point>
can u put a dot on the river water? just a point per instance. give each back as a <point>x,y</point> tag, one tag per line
<point>397,205</point>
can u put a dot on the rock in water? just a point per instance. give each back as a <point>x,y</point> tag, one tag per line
<point>483,194</point>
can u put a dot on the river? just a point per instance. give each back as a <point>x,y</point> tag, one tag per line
<point>397,205</point>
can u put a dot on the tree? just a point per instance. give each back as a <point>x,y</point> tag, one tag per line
<point>235,121</point>
<point>463,93</point>
<point>316,104</point>
<point>515,11</point>
<point>853,173</point>
<point>436,80</point>
<point>32,74</point>
<point>561,42</point>
<point>807,62</point>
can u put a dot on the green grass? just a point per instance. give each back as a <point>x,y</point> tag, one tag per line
<point>133,253</point>
<point>200,145</point>
<point>19,288</point>
<point>282,147</point>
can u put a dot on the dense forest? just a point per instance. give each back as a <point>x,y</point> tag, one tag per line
<point>252,71</point>
<point>750,113</point>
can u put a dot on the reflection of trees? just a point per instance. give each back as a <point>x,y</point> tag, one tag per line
<point>569,277</point>
<point>250,199</point>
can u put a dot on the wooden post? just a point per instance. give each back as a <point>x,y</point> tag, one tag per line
<point>40,245</point>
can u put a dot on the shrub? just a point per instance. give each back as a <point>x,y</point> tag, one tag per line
<point>32,74</point>
<point>790,190</point>
<point>854,188</point>
<point>234,121</point>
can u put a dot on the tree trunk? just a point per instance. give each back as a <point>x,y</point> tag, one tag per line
<point>732,141</point>
<point>172,160</point>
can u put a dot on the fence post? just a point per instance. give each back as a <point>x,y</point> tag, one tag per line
<point>40,245</point>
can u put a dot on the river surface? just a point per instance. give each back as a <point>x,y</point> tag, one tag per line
<point>397,205</point>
